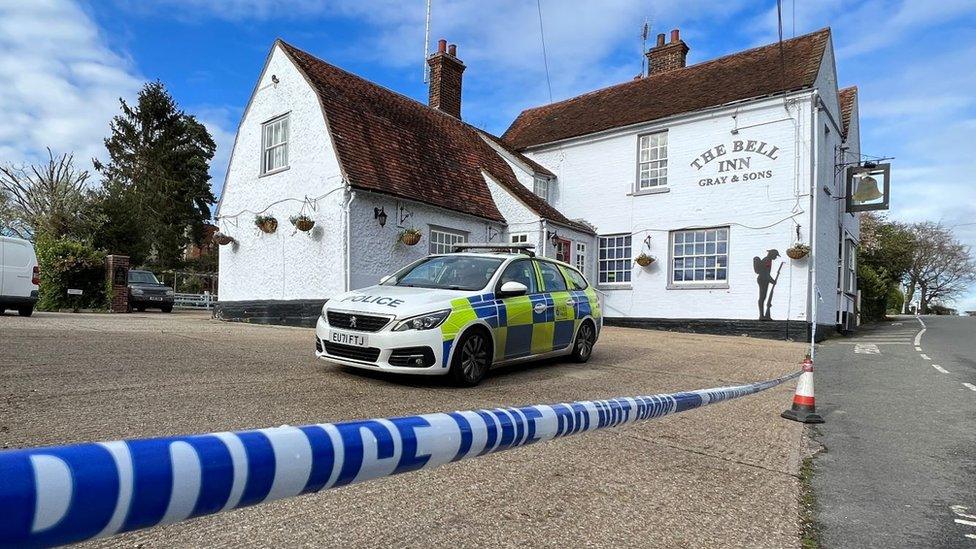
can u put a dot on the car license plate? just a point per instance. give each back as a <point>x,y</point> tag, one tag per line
<point>356,340</point>
<point>154,298</point>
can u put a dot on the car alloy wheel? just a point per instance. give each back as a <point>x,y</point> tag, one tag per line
<point>584,342</point>
<point>472,359</point>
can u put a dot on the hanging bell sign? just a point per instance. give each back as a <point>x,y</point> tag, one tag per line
<point>868,187</point>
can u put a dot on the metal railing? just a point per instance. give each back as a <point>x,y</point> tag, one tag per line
<point>194,301</point>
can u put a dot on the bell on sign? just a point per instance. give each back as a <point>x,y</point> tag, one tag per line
<point>868,187</point>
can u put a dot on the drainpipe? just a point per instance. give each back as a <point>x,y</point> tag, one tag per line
<point>545,237</point>
<point>814,191</point>
<point>347,245</point>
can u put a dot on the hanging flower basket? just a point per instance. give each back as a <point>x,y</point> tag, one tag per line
<point>798,251</point>
<point>222,239</point>
<point>644,260</point>
<point>303,222</point>
<point>410,237</point>
<point>266,223</point>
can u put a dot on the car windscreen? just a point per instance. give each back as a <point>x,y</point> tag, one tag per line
<point>450,273</point>
<point>142,277</point>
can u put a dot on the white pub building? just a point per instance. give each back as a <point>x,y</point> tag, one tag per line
<point>708,197</point>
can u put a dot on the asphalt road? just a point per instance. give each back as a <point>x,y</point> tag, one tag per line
<point>899,461</point>
<point>722,476</point>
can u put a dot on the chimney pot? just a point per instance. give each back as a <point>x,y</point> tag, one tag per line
<point>452,50</point>
<point>675,36</point>
<point>441,45</point>
<point>660,39</point>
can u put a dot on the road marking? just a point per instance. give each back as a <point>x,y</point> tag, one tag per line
<point>918,336</point>
<point>970,386</point>
<point>875,342</point>
<point>867,349</point>
<point>925,356</point>
<point>958,509</point>
<point>966,522</point>
<point>940,368</point>
<point>919,349</point>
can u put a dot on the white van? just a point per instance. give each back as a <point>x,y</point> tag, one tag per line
<point>19,276</point>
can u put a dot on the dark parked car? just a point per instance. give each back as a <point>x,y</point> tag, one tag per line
<point>146,291</point>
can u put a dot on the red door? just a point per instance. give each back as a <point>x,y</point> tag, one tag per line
<point>562,250</point>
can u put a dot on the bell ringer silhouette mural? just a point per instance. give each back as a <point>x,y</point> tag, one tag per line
<point>767,282</point>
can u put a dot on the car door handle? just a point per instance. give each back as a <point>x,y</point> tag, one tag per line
<point>570,303</point>
<point>539,307</point>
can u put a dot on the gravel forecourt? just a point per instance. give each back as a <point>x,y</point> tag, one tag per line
<point>722,476</point>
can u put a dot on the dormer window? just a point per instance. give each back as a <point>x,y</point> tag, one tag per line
<point>274,145</point>
<point>541,187</point>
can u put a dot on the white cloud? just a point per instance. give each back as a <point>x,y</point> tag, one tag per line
<point>62,84</point>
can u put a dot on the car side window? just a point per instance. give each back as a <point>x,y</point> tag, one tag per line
<point>551,277</point>
<point>576,280</point>
<point>520,271</point>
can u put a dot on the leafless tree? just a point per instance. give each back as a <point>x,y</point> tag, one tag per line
<point>47,198</point>
<point>941,267</point>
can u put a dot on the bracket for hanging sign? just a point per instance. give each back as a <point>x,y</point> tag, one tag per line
<point>868,187</point>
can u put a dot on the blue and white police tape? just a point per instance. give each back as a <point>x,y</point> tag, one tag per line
<point>58,495</point>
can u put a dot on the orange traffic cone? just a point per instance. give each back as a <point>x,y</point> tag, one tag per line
<point>804,410</point>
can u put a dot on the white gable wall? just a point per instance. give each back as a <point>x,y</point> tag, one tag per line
<point>286,264</point>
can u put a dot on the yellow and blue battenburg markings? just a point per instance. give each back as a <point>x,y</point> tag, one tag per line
<point>59,495</point>
<point>518,329</point>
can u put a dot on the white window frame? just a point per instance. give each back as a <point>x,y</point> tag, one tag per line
<point>442,240</point>
<point>619,264</point>
<point>519,238</point>
<point>652,158</point>
<point>580,260</point>
<point>701,250</point>
<point>272,143</point>
<point>541,187</point>
<point>850,266</point>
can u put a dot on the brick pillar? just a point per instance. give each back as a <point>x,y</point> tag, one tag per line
<point>117,274</point>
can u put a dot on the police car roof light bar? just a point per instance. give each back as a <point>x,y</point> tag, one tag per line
<point>526,249</point>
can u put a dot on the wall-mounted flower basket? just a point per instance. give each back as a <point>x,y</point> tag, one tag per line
<point>798,251</point>
<point>222,239</point>
<point>303,222</point>
<point>410,237</point>
<point>644,260</point>
<point>266,223</point>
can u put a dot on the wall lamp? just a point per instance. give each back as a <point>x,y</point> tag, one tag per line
<point>380,214</point>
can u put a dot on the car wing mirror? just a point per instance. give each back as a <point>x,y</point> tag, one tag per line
<point>512,288</point>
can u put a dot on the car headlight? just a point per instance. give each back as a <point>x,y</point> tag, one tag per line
<point>170,292</point>
<point>324,305</point>
<point>137,291</point>
<point>422,322</point>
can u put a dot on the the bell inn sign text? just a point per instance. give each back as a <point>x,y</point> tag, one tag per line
<point>732,170</point>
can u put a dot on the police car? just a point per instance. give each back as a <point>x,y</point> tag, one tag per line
<point>458,314</point>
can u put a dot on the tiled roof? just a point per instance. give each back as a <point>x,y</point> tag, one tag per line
<point>529,163</point>
<point>391,144</point>
<point>847,97</point>
<point>752,73</point>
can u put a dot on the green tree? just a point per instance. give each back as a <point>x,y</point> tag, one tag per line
<point>886,252</point>
<point>50,199</point>
<point>157,193</point>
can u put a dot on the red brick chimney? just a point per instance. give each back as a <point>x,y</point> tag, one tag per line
<point>445,79</point>
<point>667,57</point>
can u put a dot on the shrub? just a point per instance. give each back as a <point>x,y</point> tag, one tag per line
<point>67,263</point>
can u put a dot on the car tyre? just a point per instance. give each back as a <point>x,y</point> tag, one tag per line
<point>167,308</point>
<point>472,358</point>
<point>583,346</point>
<point>26,311</point>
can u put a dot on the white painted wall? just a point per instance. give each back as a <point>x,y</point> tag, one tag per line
<point>596,182</point>
<point>376,251</point>
<point>286,264</point>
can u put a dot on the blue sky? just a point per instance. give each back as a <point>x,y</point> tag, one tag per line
<point>66,63</point>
